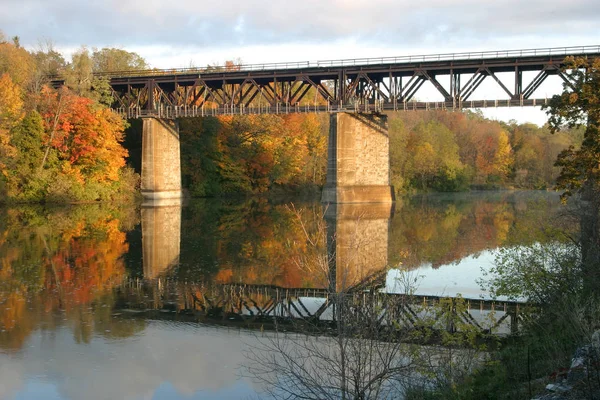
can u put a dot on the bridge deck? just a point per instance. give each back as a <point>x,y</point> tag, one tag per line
<point>356,85</point>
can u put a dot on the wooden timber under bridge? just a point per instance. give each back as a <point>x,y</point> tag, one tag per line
<point>314,309</point>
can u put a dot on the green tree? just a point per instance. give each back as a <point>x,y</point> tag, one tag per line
<point>79,74</point>
<point>200,155</point>
<point>111,59</point>
<point>26,182</point>
<point>84,80</point>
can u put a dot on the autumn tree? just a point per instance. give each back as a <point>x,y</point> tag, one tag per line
<point>11,113</point>
<point>86,139</point>
<point>579,105</point>
<point>491,154</point>
<point>59,145</point>
<point>252,153</point>
<point>316,146</point>
<point>16,62</point>
<point>426,155</point>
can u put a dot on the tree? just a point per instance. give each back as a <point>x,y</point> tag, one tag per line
<point>111,59</point>
<point>579,104</point>
<point>433,157</point>
<point>17,62</point>
<point>79,74</point>
<point>84,80</point>
<point>85,141</point>
<point>494,153</point>
<point>316,143</point>
<point>25,181</point>
<point>86,136</point>
<point>48,63</point>
<point>11,113</point>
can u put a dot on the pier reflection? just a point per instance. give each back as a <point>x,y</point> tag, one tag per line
<point>72,280</point>
<point>161,236</point>
<point>357,243</point>
<point>66,265</point>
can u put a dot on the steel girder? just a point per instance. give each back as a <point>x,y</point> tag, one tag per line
<point>344,88</point>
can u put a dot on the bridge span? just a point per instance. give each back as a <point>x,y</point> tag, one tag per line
<point>355,85</point>
<point>355,92</point>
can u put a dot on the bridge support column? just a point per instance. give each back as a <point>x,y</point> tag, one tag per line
<point>161,166</point>
<point>358,160</point>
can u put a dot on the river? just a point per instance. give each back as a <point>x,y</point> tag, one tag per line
<point>95,300</point>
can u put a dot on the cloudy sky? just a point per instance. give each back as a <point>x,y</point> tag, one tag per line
<point>198,32</point>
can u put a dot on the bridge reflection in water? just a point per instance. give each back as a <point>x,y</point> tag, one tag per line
<point>355,280</point>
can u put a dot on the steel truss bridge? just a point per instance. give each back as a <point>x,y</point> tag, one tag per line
<point>355,85</point>
<point>299,309</point>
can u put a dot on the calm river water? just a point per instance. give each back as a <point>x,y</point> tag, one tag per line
<point>95,300</point>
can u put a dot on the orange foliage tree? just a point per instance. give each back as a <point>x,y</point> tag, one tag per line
<point>85,136</point>
<point>11,114</point>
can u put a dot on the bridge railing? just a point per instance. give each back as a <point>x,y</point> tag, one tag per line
<point>477,55</point>
<point>549,51</point>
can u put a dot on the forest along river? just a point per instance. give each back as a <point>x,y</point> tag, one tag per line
<point>95,299</point>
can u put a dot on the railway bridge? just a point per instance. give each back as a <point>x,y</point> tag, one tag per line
<point>356,93</point>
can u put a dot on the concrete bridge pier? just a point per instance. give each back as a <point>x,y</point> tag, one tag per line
<point>161,165</point>
<point>358,160</point>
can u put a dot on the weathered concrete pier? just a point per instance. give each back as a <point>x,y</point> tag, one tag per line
<point>161,163</point>
<point>358,160</point>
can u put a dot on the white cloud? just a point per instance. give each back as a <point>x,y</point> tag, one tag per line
<point>395,23</point>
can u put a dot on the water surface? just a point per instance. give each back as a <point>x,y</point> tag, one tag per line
<point>76,282</point>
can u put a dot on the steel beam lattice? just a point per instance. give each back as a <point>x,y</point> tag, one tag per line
<point>356,85</point>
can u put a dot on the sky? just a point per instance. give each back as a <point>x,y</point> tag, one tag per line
<point>183,33</point>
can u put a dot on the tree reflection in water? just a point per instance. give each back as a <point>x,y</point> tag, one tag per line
<point>61,265</point>
<point>66,267</point>
<point>70,258</point>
